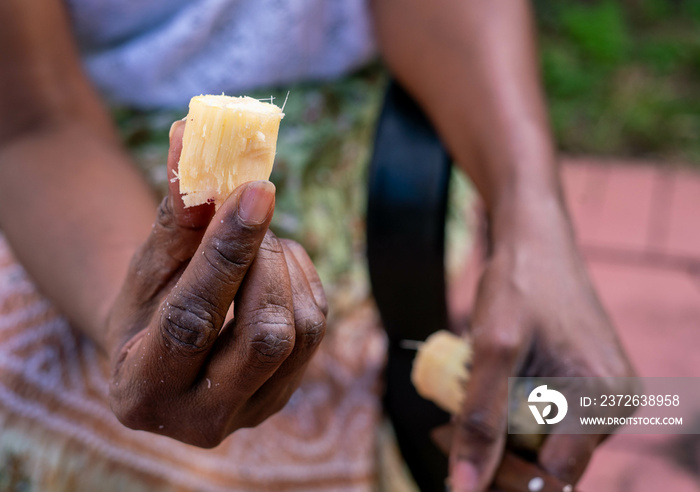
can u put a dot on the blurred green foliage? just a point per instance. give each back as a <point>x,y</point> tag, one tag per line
<point>623,77</point>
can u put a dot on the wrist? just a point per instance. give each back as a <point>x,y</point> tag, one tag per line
<point>519,178</point>
<point>532,210</point>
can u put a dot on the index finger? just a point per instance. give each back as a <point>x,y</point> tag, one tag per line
<point>193,314</point>
<point>481,426</point>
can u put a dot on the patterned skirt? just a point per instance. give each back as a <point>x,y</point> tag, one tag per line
<point>57,432</point>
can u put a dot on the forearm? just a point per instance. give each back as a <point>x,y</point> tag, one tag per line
<point>71,204</point>
<point>472,66</point>
<point>74,209</point>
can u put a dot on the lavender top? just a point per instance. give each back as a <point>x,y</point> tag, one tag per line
<point>159,53</point>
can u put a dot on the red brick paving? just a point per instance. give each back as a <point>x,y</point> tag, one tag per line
<point>639,228</point>
<point>684,222</point>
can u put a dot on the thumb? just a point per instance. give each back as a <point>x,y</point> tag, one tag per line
<point>175,236</point>
<point>480,436</point>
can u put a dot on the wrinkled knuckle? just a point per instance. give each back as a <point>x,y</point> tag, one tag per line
<point>191,328</point>
<point>312,326</point>
<point>270,345</point>
<point>228,256</point>
<point>480,427</point>
<point>274,310</point>
<point>165,217</point>
<point>200,301</point>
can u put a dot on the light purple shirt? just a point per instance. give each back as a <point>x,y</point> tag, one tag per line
<point>159,53</point>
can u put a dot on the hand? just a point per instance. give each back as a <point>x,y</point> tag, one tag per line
<point>536,314</point>
<point>216,320</point>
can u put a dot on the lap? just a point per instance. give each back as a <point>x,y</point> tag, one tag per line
<point>57,432</point>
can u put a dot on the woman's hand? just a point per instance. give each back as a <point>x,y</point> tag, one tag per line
<point>536,314</point>
<point>216,320</point>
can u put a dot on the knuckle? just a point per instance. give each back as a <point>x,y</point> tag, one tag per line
<point>229,258</point>
<point>192,327</point>
<point>200,301</point>
<point>480,427</point>
<point>311,325</point>
<point>504,346</point>
<point>274,311</point>
<point>165,217</point>
<point>170,243</point>
<point>271,345</point>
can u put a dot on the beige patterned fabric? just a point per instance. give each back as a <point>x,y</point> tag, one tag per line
<point>57,432</point>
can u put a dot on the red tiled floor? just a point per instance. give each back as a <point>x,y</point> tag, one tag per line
<point>585,193</point>
<point>657,315</point>
<point>629,464</point>
<point>661,211</point>
<point>625,211</point>
<point>634,223</point>
<point>684,222</point>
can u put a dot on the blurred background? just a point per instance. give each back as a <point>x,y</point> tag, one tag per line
<point>622,79</point>
<point>623,82</point>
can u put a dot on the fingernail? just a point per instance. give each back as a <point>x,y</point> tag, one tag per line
<point>172,128</point>
<point>256,202</point>
<point>464,477</point>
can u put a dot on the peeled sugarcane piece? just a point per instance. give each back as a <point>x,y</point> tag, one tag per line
<point>227,142</point>
<point>440,370</point>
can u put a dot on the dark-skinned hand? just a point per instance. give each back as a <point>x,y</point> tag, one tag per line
<point>536,314</point>
<point>216,320</point>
